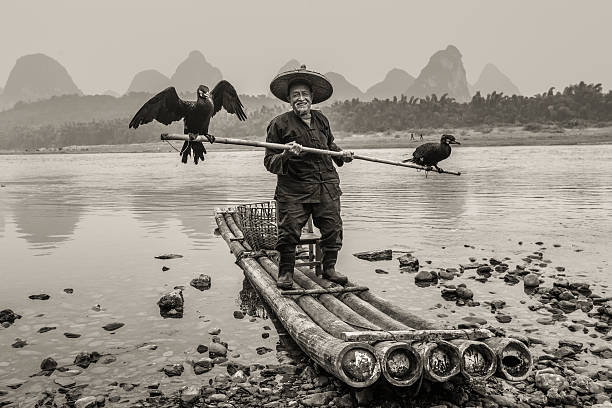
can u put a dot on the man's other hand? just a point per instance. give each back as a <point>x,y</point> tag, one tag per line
<point>347,156</point>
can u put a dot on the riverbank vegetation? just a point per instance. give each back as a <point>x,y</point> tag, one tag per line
<point>97,120</point>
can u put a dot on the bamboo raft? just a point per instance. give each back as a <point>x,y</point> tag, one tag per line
<point>358,337</point>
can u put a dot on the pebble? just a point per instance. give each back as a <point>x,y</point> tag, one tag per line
<point>168,256</point>
<point>46,329</point>
<point>202,282</point>
<point>546,380</point>
<point>69,290</point>
<point>113,326</point>
<point>216,350</point>
<point>424,276</point>
<point>190,394</point>
<point>48,364</point>
<point>8,316</point>
<point>65,382</point>
<point>381,271</point>
<point>218,397</point>
<point>19,343</point>
<point>214,331</point>
<point>173,370</point>
<point>171,304</point>
<point>86,402</point>
<point>502,318</point>
<point>42,296</point>
<point>238,314</point>
<point>202,349</point>
<point>165,268</point>
<point>531,280</point>
<point>379,255</point>
<point>72,335</point>
<point>409,262</point>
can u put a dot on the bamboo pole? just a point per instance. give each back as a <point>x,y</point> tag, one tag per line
<point>417,335</point>
<point>354,363</point>
<point>513,358</point>
<point>292,292</point>
<point>441,360</point>
<point>278,146</point>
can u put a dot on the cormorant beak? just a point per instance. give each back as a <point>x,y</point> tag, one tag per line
<point>453,142</point>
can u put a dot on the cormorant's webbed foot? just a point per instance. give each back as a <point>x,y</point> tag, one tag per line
<point>198,151</point>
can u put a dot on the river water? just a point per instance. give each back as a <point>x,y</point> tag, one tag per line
<point>95,222</point>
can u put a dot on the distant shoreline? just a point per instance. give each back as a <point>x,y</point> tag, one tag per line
<point>469,137</point>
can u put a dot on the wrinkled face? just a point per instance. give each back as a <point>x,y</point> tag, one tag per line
<point>203,92</point>
<point>300,99</point>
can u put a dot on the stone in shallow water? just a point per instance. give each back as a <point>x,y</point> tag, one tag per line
<point>72,335</point>
<point>409,262</point>
<point>216,350</point>
<point>168,256</point>
<point>380,255</point>
<point>502,318</point>
<point>48,364</point>
<point>46,329</point>
<point>173,370</point>
<point>425,276</point>
<point>7,315</point>
<point>202,282</point>
<point>171,304</point>
<point>19,343</point>
<point>42,296</point>
<point>532,280</point>
<point>113,326</point>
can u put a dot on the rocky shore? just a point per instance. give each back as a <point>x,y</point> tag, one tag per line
<point>566,373</point>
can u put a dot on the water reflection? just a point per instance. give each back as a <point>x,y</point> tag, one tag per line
<point>47,215</point>
<point>251,303</point>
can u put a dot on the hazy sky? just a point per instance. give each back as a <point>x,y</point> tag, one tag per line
<point>103,44</point>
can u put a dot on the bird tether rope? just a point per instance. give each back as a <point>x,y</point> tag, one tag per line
<point>305,149</point>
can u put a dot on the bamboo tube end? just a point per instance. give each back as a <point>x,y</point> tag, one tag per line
<point>359,364</point>
<point>441,360</point>
<point>478,361</point>
<point>401,364</point>
<point>514,359</point>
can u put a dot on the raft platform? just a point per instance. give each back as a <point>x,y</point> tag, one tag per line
<point>357,336</point>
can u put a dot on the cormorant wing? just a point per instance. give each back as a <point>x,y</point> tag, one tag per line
<point>224,95</point>
<point>165,107</point>
<point>424,149</point>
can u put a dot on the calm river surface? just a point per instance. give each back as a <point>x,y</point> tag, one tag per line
<point>95,222</point>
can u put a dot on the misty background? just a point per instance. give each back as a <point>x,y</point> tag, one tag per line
<point>104,44</point>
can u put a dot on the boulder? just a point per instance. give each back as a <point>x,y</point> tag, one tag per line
<point>202,365</point>
<point>7,315</point>
<point>48,364</point>
<point>216,350</point>
<point>425,276</point>
<point>409,262</point>
<point>173,370</point>
<point>532,280</point>
<point>171,304</point>
<point>381,255</point>
<point>545,381</point>
<point>202,282</point>
<point>190,394</point>
<point>464,293</point>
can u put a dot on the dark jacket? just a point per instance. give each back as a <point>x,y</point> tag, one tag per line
<point>304,178</point>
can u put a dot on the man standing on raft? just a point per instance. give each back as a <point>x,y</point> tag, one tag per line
<point>308,183</point>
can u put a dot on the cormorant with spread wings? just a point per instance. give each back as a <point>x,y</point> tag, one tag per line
<point>167,107</point>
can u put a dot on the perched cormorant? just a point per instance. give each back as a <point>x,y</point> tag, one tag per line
<point>166,107</point>
<point>430,154</point>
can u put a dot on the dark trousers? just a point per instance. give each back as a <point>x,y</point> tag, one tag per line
<point>293,216</point>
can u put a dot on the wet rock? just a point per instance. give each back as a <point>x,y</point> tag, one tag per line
<point>563,352</point>
<point>202,365</point>
<point>171,304</point>
<point>72,335</point>
<point>602,327</point>
<point>484,270</point>
<point>425,276</point>
<point>263,350</point>
<point>168,256</point>
<point>214,331</point>
<point>48,364</point>
<point>218,397</point>
<point>202,349</point>
<point>173,370</point>
<point>567,306</point>
<point>381,272</point>
<point>42,296</point>
<point>19,343</point>
<point>202,282</point>
<point>546,321</point>
<point>547,380</point>
<point>238,314</point>
<point>532,280</point>
<point>86,402</point>
<point>165,268</point>
<point>190,395</point>
<point>83,359</point>
<point>497,305</point>
<point>65,382</point>
<point>69,291</point>
<point>409,262</point>
<point>8,316</point>
<point>502,318</point>
<point>46,329</point>
<point>464,293</point>
<point>113,326</point>
<point>477,320</point>
<point>108,359</point>
<point>318,399</point>
<point>574,345</point>
<point>239,377</point>
<point>566,295</point>
<point>446,275</point>
<point>511,279</point>
<point>381,255</point>
<point>216,350</point>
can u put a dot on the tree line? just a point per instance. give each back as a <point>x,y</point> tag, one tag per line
<point>577,105</point>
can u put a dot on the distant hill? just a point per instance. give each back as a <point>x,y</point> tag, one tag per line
<point>444,74</point>
<point>151,81</point>
<point>492,79</point>
<point>194,71</point>
<point>395,83</point>
<point>343,89</point>
<point>35,77</point>
<point>291,64</point>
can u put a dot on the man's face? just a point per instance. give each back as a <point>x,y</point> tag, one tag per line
<point>300,99</point>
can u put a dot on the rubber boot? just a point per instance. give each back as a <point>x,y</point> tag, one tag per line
<point>285,268</point>
<point>329,268</point>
